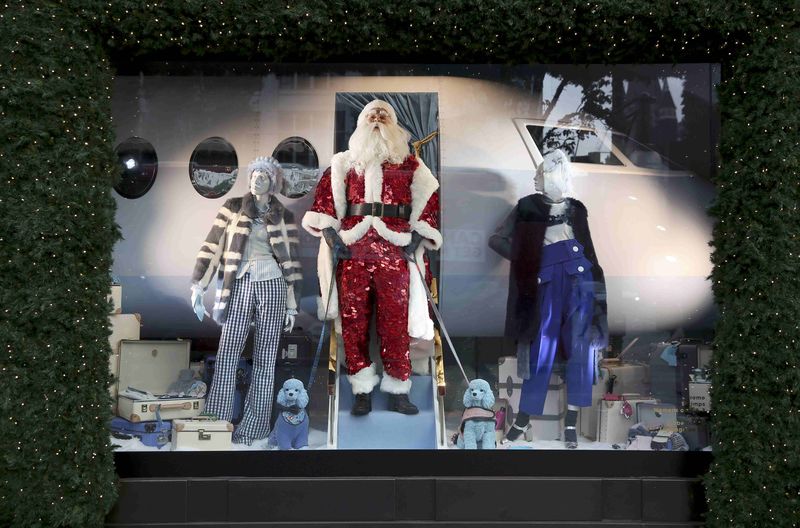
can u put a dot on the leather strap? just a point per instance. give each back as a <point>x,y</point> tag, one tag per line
<point>379,209</point>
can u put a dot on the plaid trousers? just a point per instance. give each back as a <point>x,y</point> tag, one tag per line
<point>263,303</point>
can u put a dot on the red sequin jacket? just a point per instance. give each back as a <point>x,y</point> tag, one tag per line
<point>408,183</point>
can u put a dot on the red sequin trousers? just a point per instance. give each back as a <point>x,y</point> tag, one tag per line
<point>376,273</point>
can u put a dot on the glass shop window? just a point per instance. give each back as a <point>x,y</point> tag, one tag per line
<point>300,166</point>
<point>213,167</point>
<point>582,145</point>
<point>571,278</point>
<point>139,163</point>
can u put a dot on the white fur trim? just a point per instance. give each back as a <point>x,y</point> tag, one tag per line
<point>291,302</point>
<point>340,166</point>
<point>394,385</point>
<point>219,222</point>
<point>315,222</point>
<point>224,211</point>
<point>423,186</point>
<point>432,237</point>
<point>421,366</point>
<point>239,230</point>
<point>205,254</point>
<point>352,235</point>
<point>393,237</point>
<point>363,381</point>
<point>325,274</point>
<point>420,325</point>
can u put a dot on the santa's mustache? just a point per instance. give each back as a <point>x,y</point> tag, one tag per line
<point>379,141</point>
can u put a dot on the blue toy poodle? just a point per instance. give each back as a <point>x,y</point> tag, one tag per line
<point>291,427</point>
<point>477,422</point>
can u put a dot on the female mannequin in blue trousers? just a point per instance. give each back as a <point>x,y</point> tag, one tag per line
<point>556,293</point>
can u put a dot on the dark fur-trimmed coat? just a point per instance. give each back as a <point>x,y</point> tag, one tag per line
<point>222,251</point>
<point>519,239</point>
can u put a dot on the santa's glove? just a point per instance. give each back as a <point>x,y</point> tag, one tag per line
<point>411,249</point>
<point>335,242</point>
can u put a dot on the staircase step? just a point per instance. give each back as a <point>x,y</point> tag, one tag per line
<point>383,429</point>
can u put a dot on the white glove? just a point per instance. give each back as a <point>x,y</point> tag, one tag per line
<point>288,321</point>
<point>197,302</point>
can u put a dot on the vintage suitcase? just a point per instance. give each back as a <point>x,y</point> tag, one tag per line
<point>587,419</point>
<point>203,434</point>
<point>152,366</point>
<point>295,349</point>
<point>654,414</point>
<point>145,410</point>
<point>695,430</point>
<point>244,376</point>
<point>549,425</point>
<point>123,326</point>
<point>699,396</point>
<point>627,378</point>
<point>612,423</point>
<point>671,365</point>
<point>153,434</point>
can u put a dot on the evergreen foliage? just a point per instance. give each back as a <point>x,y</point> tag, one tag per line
<point>57,168</point>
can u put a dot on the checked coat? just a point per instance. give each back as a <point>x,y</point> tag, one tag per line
<point>221,253</point>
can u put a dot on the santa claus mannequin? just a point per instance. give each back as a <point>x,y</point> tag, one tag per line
<point>377,209</point>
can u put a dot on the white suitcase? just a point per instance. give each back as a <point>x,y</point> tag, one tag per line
<point>550,424</point>
<point>202,435</point>
<point>587,420</point>
<point>612,425</point>
<point>123,327</point>
<point>699,397</point>
<point>152,366</point>
<point>629,378</point>
<point>166,408</point>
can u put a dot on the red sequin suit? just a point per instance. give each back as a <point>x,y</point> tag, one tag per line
<point>377,271</point>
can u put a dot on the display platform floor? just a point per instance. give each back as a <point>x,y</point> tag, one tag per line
<point>384,429</point>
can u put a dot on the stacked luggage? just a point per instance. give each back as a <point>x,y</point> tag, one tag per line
<point>659,402</point>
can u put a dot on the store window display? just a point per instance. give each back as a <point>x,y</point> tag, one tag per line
<point>556,302</point>
<point>252,251</point>
<point>375,207</point>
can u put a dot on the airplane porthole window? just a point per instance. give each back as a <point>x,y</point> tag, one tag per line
<point>300,166</point>
<point>139,164</point>
<point>213,167</point>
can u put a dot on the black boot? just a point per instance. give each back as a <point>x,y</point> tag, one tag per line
<point>520,425</point>
<point>362,404</point>
<point>400,403</point>
<point>570,432</point>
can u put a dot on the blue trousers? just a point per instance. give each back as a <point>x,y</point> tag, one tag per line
<point>566,301</point>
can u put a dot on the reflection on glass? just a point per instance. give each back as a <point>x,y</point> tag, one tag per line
<point>582,145</point>
<point>213,167</point>
<point>139,164</point>
<point>300,166</point>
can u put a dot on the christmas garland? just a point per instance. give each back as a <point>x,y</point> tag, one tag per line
<point>57,62</point>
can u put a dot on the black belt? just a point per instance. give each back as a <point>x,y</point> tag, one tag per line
<point>379,209</point>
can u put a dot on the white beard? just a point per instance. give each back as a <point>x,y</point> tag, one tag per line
<point>388,143</point>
